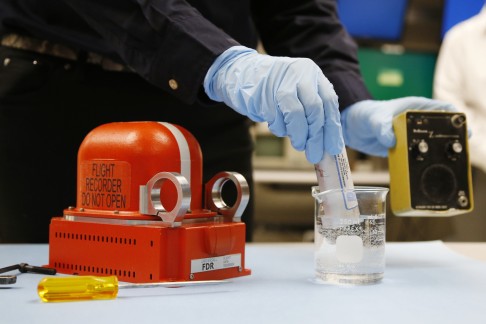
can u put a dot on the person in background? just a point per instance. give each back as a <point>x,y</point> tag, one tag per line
<point>460,78</point>
<point>67,66</point>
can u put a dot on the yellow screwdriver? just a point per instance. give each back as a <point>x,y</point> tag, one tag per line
<point>63,289</point>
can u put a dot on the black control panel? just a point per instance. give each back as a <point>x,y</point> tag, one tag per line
<point>438,161</point>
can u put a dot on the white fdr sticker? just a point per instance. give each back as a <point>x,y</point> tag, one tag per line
<point>216,263</point>
<point>349,248</point>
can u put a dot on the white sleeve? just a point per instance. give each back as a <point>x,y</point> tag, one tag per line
<point>454,81</point>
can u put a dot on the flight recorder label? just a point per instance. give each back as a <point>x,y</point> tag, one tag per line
<point>104,185</point>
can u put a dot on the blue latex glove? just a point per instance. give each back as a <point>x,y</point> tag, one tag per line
<point>291,94</point>
<point>368,125</point>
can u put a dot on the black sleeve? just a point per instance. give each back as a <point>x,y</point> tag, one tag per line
<point>311,28</point>
<point>160,40</point>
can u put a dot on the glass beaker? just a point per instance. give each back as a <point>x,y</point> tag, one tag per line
<point>350,247</point>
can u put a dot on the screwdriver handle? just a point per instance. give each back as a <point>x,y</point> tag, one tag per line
<point>61,289</point>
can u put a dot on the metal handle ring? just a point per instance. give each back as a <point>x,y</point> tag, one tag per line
<point>214,200</point>
<point>151,204</point>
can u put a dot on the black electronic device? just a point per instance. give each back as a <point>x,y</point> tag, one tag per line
<point>430,173</point>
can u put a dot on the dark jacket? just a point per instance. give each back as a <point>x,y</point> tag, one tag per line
<point>174,39</point>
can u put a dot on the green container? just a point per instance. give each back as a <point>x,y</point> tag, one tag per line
<point>395,75</point>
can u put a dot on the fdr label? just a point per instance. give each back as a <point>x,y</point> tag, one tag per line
<point>217,263</point>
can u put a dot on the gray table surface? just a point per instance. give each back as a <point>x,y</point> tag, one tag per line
<point>425,282</point>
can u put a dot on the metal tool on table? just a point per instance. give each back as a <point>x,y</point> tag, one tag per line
<point>23,268</point>
<point>143,212</point>
<point>77,288</point>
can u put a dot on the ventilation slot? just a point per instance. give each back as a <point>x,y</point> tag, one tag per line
<point>96,238</point>
<point>76,268</point>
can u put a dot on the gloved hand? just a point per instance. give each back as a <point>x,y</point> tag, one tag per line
<point>367,125</point>
<point>291,94</point>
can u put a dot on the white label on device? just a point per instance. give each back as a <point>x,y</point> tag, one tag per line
<point>216,263</point>
<point>340,204</point>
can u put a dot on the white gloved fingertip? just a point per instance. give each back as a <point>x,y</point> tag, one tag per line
<point>388,139</point>
<point>313,156</point>
<point>337,148</point>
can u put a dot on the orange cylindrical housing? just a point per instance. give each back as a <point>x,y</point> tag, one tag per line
<point>115,159</point>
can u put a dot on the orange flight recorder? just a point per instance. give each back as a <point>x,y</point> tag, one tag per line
<point>140,212</point>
